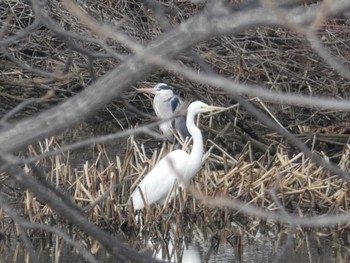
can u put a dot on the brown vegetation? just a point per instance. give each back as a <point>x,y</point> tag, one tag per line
<point>246,160</point>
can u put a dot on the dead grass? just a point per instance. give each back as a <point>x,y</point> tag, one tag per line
<point>103,187</point>
<point>246,160</point>
<point>275,58</point>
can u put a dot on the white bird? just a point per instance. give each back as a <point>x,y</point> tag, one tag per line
<point>177,166</point>
<point>165,104</point>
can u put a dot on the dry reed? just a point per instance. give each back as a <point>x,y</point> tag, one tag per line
<point>273,57</point>
<point>103,187</point>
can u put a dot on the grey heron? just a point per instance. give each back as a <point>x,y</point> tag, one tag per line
<point>165,104</point>
<point>176,166</point>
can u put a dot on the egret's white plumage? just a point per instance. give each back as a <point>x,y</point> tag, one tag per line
<point>165,104</point>
<point>177,165</point>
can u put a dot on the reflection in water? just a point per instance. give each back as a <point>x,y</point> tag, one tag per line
<point>175,249</point>
<point>244,248</point>
<point>269,247</point>
<point>265,248</point>
<point>191,254</point>
<point>184,254</point>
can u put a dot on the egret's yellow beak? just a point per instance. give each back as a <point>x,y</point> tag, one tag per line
<point>213,108</point>
<point>146,90</point>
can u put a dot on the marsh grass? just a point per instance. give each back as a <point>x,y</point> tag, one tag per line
<point>275,58</point>
<point>102,187</point>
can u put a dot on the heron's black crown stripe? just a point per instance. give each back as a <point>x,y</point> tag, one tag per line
<point>164,87</point>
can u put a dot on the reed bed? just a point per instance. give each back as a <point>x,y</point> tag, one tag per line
<point>102,187</point>
<point>244,159</point>
<point>275,58</point>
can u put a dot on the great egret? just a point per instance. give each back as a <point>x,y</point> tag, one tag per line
<point>176,166</point>
<point>165,104</point>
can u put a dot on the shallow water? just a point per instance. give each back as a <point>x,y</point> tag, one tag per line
<point>264,248</point>
<point>269,247</point>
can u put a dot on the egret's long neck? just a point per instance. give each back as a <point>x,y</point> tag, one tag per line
<point>196,155</point>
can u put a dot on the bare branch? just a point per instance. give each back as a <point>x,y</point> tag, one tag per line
<point>329,58</point>
<point>116,248</point>
<point>218,21</point>
<point>26,225</point>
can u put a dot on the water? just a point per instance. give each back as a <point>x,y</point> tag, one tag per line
<point>245,248</point>
<point>263,248</point>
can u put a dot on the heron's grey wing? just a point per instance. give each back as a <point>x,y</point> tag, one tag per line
<point>181,127</point>
<point>179,123</point>
<point>164,107</point>
<point>175,103</point>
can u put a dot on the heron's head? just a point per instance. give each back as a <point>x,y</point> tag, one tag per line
<point>162,89</point>
<point>199,107</point>
<point>159,89</point>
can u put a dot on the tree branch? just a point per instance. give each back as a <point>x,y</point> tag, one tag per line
<point>217,21</point>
